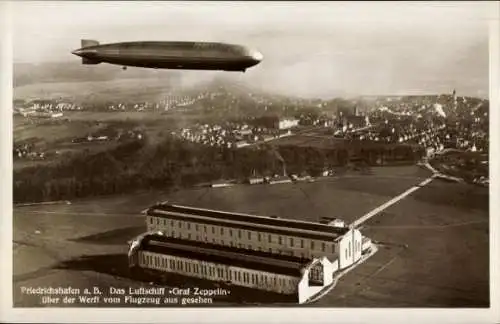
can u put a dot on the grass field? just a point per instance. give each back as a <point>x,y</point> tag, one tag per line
<point>118,90</point>
<point>445,263</point>
<point>49,136</point>
<point>85,122</point>
<point>52,132</point>
<point>311,141</point>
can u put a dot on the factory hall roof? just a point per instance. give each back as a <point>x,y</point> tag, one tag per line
<point>256,260</point>
<point>276,225</point>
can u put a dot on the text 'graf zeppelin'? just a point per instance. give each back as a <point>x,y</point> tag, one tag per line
<point>112,296</point>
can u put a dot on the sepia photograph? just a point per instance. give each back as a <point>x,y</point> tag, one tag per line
<point>250,154</point>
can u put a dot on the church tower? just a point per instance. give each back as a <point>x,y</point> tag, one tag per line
<point>454,99</point>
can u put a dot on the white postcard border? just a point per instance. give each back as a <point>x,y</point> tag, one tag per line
<point>241,315</point>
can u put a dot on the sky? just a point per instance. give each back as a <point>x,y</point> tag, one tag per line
<point>311,49</point>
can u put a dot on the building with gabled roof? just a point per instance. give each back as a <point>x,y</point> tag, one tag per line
<point>279,236</point>
<point>301,278</point>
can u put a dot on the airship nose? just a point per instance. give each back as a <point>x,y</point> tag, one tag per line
<point>78,52</point>
<point>84,52</point>
<point>257,56</point>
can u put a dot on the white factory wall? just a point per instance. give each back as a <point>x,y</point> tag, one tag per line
<point>358,247</point>
<point>234,237</point>
<point>305,291</point>
<point>347,249</point>
<point>250,278</point>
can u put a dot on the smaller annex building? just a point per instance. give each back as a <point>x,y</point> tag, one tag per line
<point>303,278</point>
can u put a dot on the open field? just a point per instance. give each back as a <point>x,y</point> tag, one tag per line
<point>118,116</point>
<point>311,141</point>
<point>148,120</point>
<point>109,90</point>
<point>56,135</point>
<point>52,132</point>
<point>84,122</point>
<point>445,263</point>
<point>322,141</point>
<point>83,244</point>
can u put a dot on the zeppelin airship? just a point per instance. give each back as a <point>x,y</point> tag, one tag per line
<point>170,55</point>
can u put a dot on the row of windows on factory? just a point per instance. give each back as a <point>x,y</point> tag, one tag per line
<point>204,270</point>
<point>234,233</point>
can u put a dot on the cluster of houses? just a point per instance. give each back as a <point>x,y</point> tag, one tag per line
<point>423,120</point>
<point>275,179</point>
<point>165,104</point>
<point>27,151</point>
<point>318,121</point>
<point>44,108</point>
<point>231,135</point>
<point>55,108</point>
<point>482,181</point>
<point>47,106</point>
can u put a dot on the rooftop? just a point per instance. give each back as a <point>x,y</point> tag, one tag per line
<point>264,261</point>
<point>252,222</point>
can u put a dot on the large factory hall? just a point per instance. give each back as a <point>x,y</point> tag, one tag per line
<point>272,254</point>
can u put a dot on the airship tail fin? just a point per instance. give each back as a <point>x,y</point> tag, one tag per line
<point>89,42</point>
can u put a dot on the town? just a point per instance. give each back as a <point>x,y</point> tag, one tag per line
<point>412,127</point>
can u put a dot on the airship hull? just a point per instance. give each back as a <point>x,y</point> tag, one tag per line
<point>175,63</point>
<point>172,55</point>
